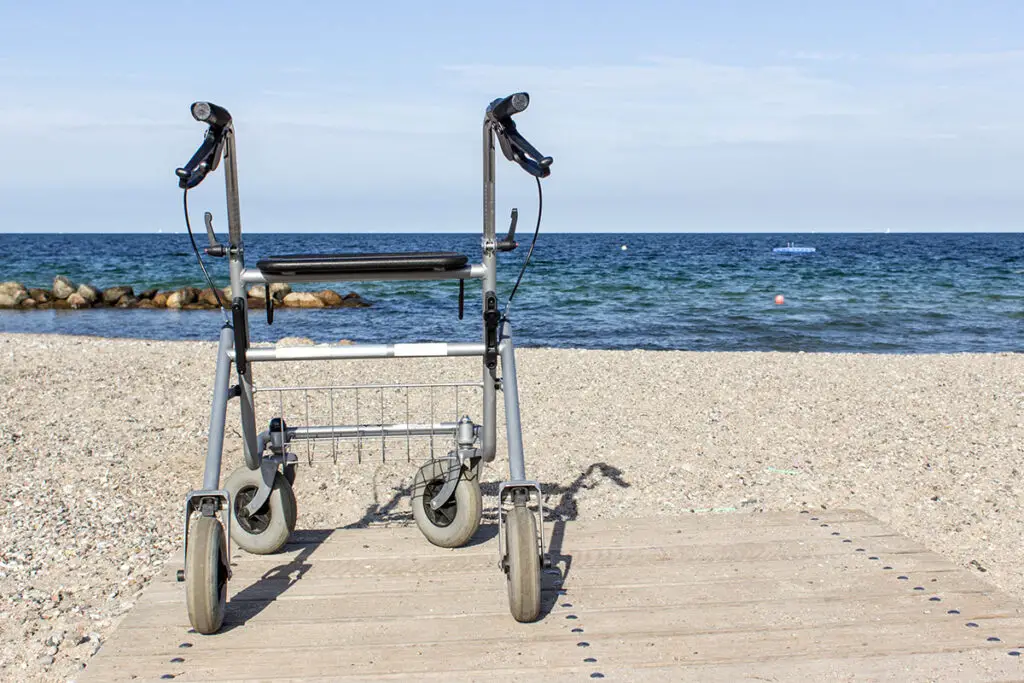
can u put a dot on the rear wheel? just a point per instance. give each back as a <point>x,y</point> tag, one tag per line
<point>455,522</point>
<point>522,564</point>
<point>206,575</point>
<point>266,530</point>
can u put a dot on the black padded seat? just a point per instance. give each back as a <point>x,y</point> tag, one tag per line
<point>340,264</point>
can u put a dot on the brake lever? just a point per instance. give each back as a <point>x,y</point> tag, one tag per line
<point>509,243</point>
<point>215,248</point>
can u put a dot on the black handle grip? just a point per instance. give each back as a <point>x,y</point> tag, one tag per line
<point>508,106</point>
<point>210,113</point>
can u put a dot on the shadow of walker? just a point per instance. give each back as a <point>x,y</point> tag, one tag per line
<point>253,599</point>
<point>274,582</point>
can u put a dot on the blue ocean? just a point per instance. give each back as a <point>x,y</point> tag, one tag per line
<point>872,293</point>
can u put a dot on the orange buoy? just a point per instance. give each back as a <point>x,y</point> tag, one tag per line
<point>779,299</point>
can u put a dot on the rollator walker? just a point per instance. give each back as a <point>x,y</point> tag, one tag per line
<point>256,505</point>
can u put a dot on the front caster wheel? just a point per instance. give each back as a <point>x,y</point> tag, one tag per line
<point>206,575</point>
<point>265,531</point>
<point>522,564</point>
<point>455,522</point>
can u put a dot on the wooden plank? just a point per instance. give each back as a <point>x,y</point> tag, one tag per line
<point>587,580</point>
<point>411,545</point>
<point>721,550</point>
<point>452,571</point>
<point>319,609</point>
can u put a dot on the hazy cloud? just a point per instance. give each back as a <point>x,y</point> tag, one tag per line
<point>816,131</point>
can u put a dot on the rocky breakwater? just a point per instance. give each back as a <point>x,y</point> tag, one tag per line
<point>64,294</point>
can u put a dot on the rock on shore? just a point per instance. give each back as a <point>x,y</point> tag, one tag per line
<point>65,294</point>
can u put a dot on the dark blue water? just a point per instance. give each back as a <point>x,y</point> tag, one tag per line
<point>897,293</point>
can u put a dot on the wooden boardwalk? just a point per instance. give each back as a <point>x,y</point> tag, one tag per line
<point>767,597</point>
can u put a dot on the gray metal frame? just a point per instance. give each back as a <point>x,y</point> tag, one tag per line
<point>211,498</point>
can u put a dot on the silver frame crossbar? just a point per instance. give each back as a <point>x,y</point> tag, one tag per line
<point>362,351</point>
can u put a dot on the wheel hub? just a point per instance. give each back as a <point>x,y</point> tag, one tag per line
<point>257,522</point>
<point>444,515</point>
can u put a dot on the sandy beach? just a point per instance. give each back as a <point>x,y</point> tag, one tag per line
<point>103,438</point>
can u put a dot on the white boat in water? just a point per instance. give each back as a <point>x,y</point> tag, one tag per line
<point>790,249</point>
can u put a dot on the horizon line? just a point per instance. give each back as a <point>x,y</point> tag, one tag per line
<point>564,232</point>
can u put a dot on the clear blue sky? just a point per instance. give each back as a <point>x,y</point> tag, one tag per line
<point>727,116</point>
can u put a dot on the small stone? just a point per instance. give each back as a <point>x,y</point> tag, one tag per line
<point>45,660</point>
<point>148,294</point>
<point>330,297</point>
<point>113,295</point>
<point>40,295</point>
<point>12,294</point>
<point>13,299</point>
<point>11,287</point>
<point>89,293</point>
<point>279,290</point>
<point>353,300</point>
<point>56,637</point>
<point>77,301</point>
<point>63,287</point>
<point>302,300</point>
<point>182,297</point>
<point>160,300</point>
<point>147,303</point>
<point>259,292</point>
<point>28,303</point>
<point>209,298</point>
<point>127,301</point>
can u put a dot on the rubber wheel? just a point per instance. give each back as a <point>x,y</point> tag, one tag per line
<point>289,474</point>
<point>523,564</point>
<point>455,522</point>
<point>206,575</point>
<point>267,530</point>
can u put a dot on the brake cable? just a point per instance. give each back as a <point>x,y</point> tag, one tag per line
<point>533,244</point>
<point>199,259</point>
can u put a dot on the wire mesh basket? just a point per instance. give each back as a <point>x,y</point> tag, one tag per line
<point>411,422</point>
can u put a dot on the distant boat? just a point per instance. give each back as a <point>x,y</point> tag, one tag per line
<point>790,249</point>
